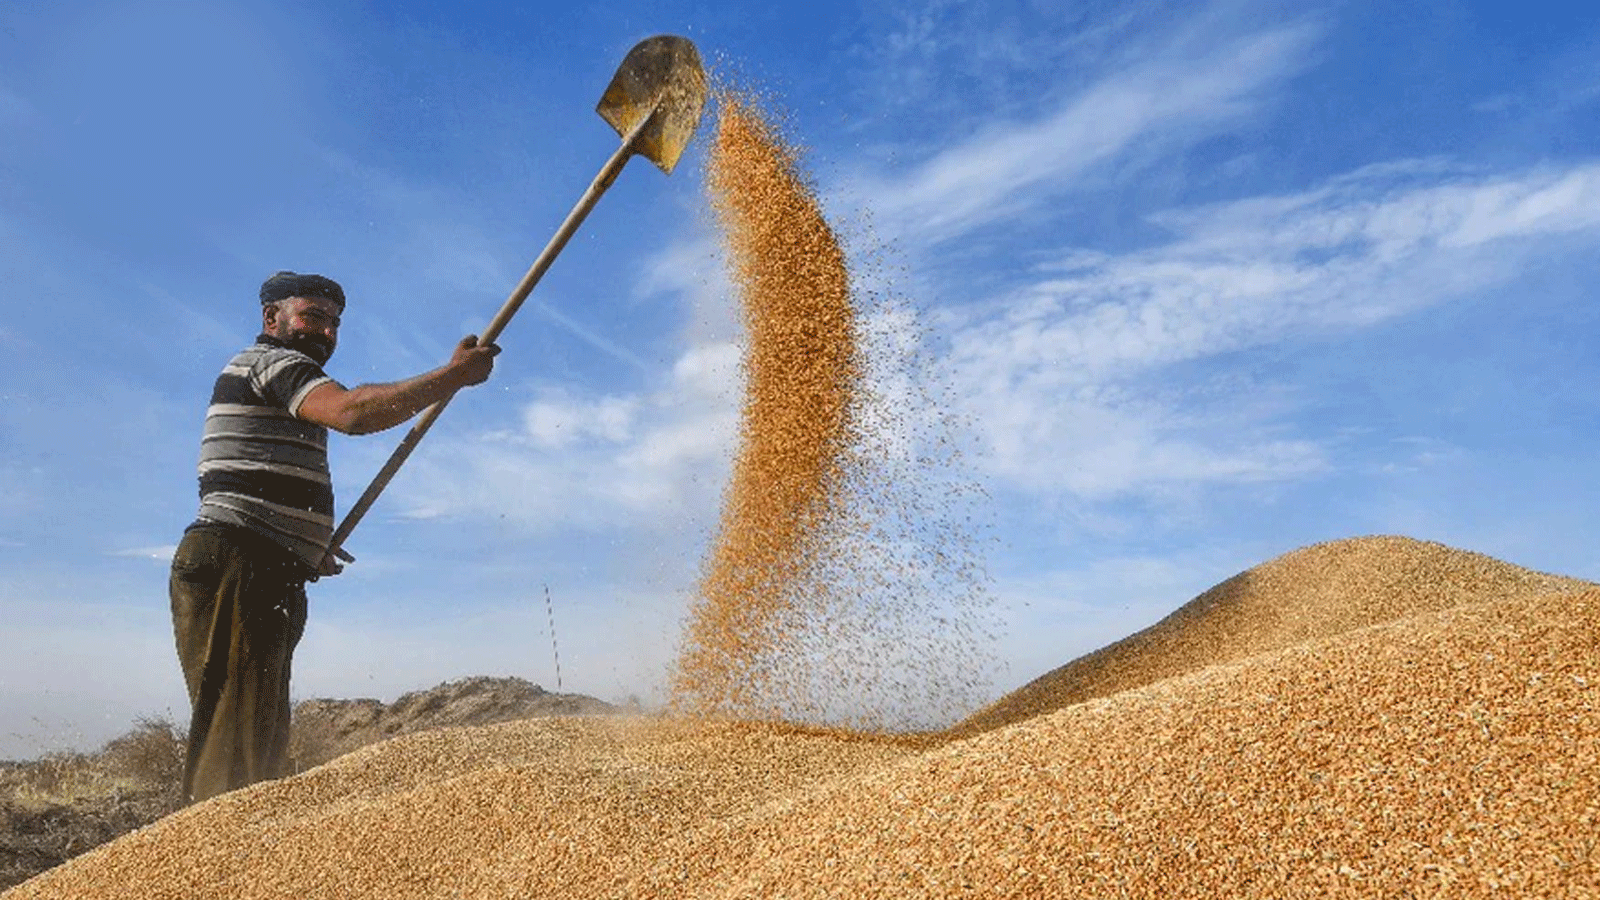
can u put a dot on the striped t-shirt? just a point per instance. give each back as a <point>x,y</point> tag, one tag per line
<point>261,467</point>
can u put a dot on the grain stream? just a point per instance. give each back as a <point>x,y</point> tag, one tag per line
<point>800,366</point>
<point>843,585</point>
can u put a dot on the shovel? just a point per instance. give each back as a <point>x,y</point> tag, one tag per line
<point>654,102</point>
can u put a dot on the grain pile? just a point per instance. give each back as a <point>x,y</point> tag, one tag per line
<point>839,587</point>
<point>1453,754</point>
<point>1450,752</point>
<point>1312,593</point>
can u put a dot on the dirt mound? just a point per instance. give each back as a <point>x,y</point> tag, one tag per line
<point>56,807</point>
<point>1309,594</point>
<point>324,729</point>
<point>1449,753</point>
<point>62,804</point>
<point>37,836</point>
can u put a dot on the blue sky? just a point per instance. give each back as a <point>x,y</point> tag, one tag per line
<point>1205,282</point>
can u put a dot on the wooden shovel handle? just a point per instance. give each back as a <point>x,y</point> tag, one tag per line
<point>580,211</point>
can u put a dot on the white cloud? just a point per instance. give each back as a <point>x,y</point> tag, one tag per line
<point>1496,104</point>
<point>1547,203</point>
<point>1073,356</point>
<point>1064,362</point>
<point>692,272</point>
<point>610,461</point>
<point>557,420</point>
<point>592,337</point>
<point>1006,169</point>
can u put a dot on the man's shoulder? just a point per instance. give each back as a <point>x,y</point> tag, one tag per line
<point>267,374</point>
<point>258,352</point>
<point>269,359</point>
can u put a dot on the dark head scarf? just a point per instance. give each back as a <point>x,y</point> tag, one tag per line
<point>283,285</point>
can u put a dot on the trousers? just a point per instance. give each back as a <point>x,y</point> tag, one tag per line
<point>238,611</point>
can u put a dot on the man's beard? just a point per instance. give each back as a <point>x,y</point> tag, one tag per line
<point>312,345</point>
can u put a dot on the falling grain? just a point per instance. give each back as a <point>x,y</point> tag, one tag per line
<point>800,368</point>
<point>844,584</point>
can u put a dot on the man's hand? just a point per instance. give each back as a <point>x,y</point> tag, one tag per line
<point>471,362</point>
<point>330,566</point>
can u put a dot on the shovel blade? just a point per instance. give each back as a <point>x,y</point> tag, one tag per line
<point>661,83</point>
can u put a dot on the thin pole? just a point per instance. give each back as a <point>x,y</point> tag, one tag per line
<point>549,611</point>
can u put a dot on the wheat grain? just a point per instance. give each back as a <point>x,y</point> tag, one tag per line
<point>844,584</point>
<point>1449,751</point>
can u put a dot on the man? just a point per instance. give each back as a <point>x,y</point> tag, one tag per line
<point>266,517</point>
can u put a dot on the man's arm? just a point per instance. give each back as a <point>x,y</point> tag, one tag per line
<point>374,407</point>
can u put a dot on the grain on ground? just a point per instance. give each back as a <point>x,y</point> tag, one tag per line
<point>1453,753</point>
<point>1447,753</point>
<point>1311,593</point>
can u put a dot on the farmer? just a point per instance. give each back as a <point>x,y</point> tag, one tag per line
<point>265,521</point>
